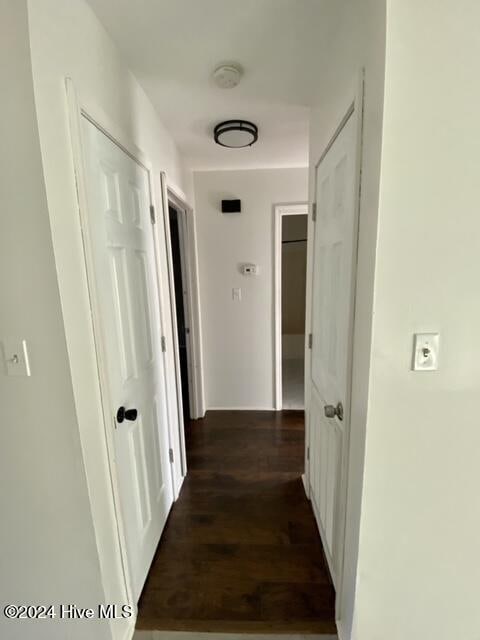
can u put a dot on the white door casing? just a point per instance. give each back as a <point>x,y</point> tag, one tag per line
<point>182,230</point>
<point>182,241</point>
<point>294,209</point>
<point>123,259</point>
<point>333,283</point>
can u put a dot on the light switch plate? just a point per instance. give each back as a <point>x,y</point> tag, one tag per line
<point>15,353</point>
<point>236,294</point>
<point>426,348</point>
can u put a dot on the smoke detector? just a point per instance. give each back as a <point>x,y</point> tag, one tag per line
<point>227,76</point>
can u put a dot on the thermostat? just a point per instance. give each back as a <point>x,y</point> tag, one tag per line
<point>249,269</point>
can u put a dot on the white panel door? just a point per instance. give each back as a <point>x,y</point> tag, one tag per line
<point>332,310</point>
<point>121,242</point>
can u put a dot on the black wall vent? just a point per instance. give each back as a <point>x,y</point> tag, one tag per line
<point>231,206</point>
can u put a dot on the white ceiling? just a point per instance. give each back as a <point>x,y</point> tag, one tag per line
<point>173,46</point>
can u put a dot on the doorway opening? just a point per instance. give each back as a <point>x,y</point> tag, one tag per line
<point>180,291</point>
<point>184,312</point>
<point>294,278</point>
<point>291,226</point>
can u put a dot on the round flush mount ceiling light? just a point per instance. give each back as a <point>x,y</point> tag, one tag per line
<point>235,134</point>
<point>227,76</point>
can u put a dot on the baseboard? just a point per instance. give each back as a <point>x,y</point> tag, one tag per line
<point>179,489</point>
<point>305,486</point>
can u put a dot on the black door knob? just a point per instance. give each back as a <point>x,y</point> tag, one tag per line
<point>126,414</point>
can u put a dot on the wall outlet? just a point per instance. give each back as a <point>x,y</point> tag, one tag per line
<point>425,351</point>
<point>15,354</point>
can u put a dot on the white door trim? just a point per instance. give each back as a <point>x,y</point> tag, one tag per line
<point>98,496</point>
<point>198,409</point>
<point>75,114</point>
<point>280,210</point>
<point>190,268</point>
<point>354,110</point>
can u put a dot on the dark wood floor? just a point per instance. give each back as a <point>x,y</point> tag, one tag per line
<point>241,551</point>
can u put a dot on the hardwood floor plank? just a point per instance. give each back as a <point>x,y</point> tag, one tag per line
<point>241,550</point>
<point>233,562</point>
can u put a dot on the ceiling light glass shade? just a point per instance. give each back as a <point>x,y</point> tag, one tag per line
<point>235,134</point>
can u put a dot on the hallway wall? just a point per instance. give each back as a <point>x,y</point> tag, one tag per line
<point>68,41</point>
<point>238,336</point>
<point>48,548</point>
<point>51,550</point>
<point>419,557</point>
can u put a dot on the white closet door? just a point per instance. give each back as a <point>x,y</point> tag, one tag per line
<point>121,238</point>
<point>333,281</point>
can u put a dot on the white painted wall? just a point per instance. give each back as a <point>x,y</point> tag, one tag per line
<point>356,40</point>
<point>68,40</point>
<point>419,560</point>
<point>238,336</point>
<point>47,542</point>
<point>51,551</point>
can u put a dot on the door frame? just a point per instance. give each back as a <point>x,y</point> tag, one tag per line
<point>279,211</point>
<point>75,112</point>
<point>197,402</point>
<point>188,240</point>
<point>188,300</point>
<point>354,110</point>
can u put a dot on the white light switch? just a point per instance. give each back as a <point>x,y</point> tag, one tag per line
<point>236,294</point>
<point>425,351</point>
<point>15,355</point>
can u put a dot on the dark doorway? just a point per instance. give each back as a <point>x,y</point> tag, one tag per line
<point>180,289</point>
